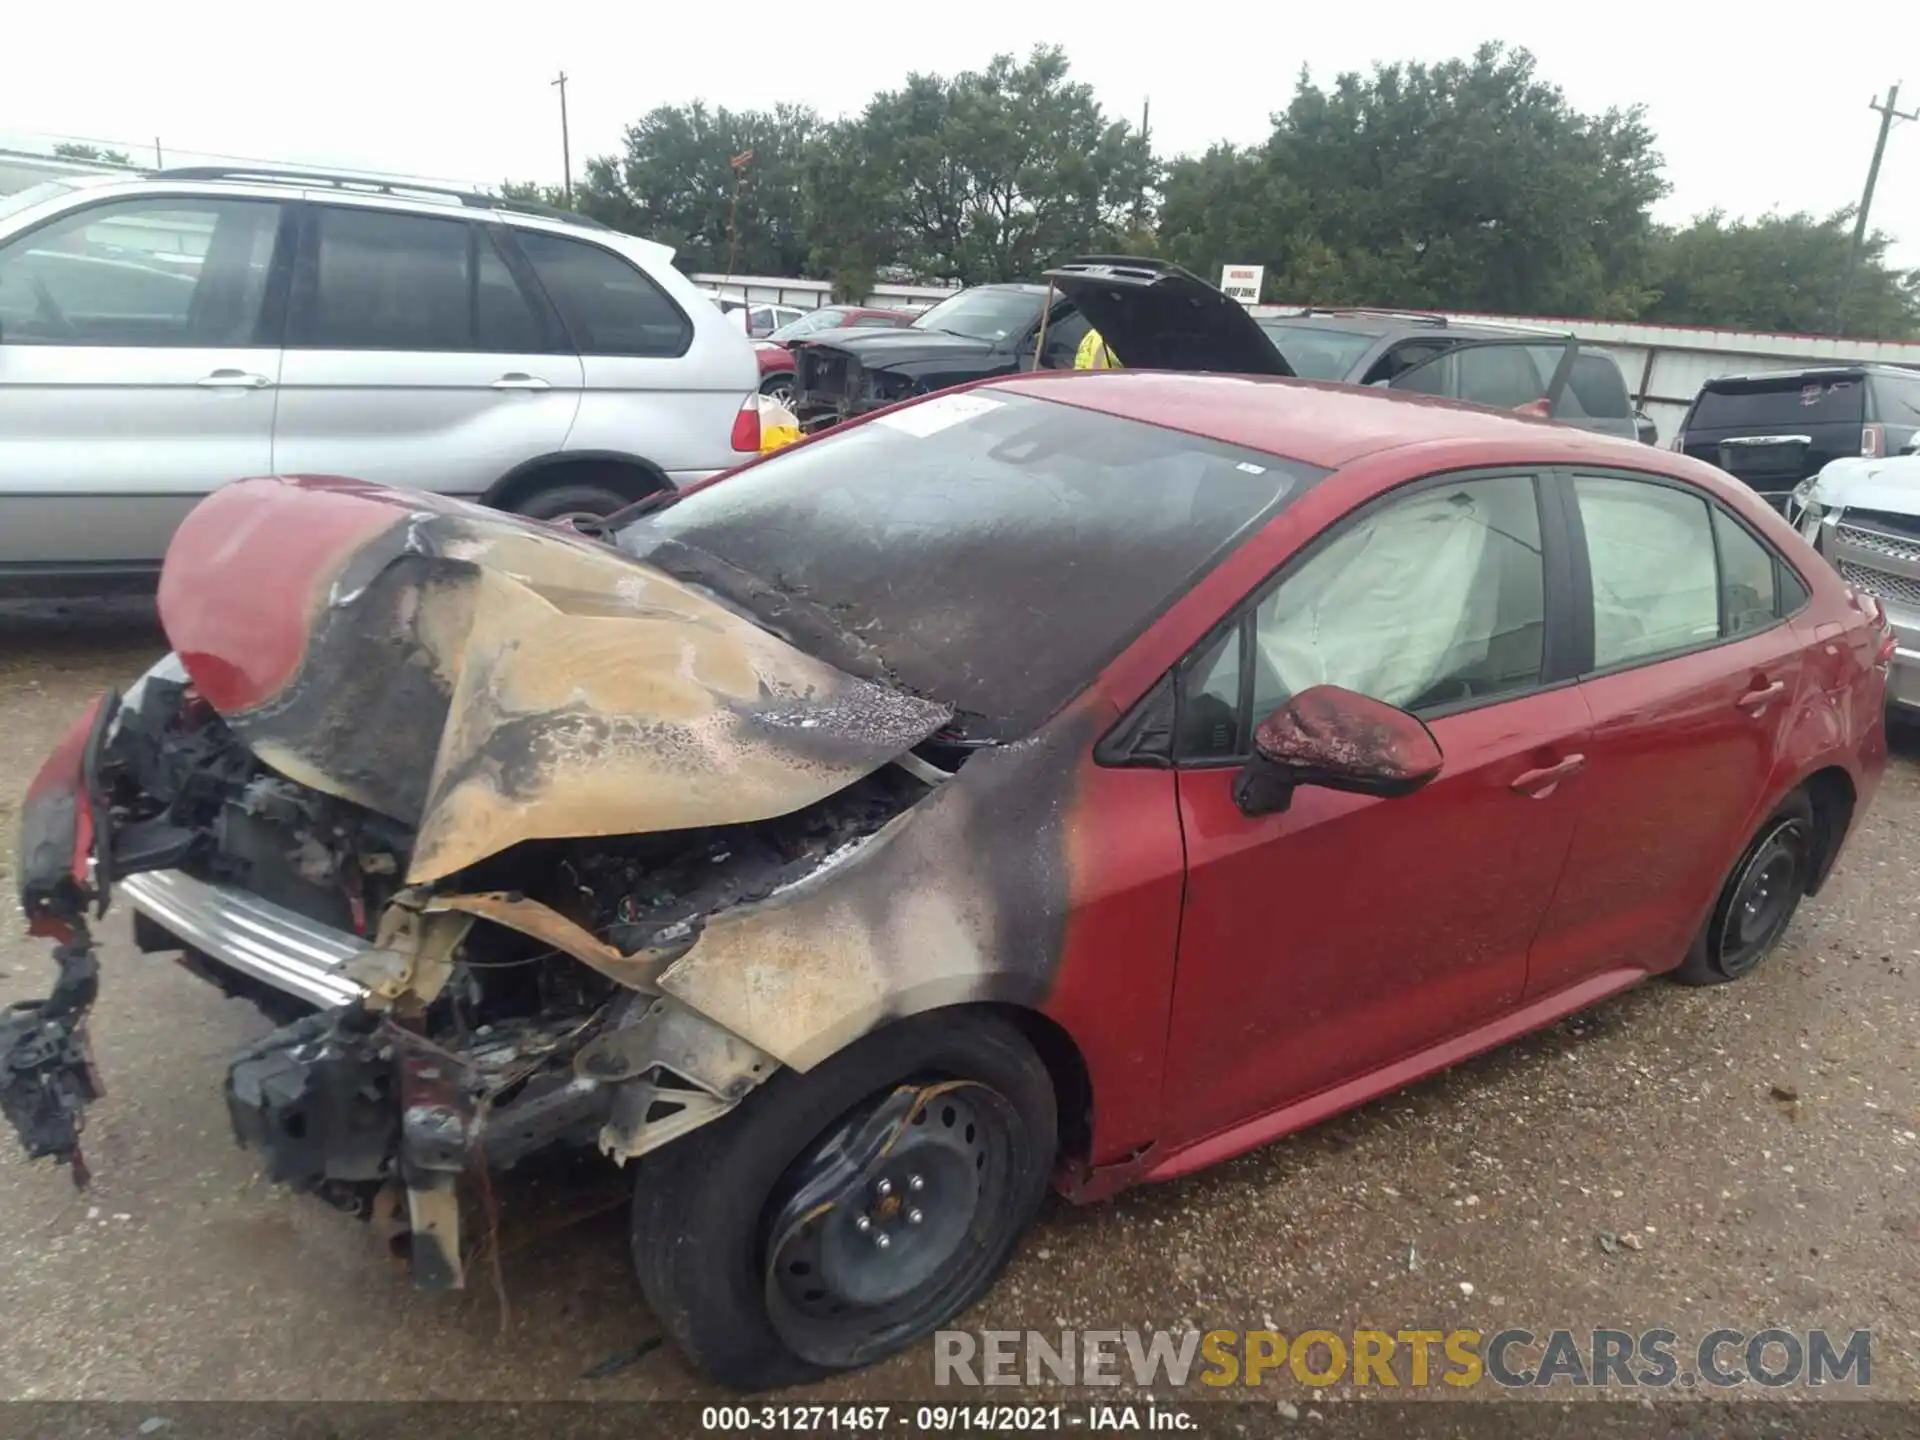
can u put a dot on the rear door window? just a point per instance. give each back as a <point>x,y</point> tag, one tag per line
<point>609,306</point>
<point>382,280</point>
<point>1650,556</point>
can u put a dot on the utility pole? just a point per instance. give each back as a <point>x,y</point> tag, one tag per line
<point>1888,114</point>
<point>1146,143</point>
<point>739,165</point>
<point>566,148</point>
<point>159,160</point>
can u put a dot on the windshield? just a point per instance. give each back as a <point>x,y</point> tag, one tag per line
<point>22,200</point>
<point>807,324</point>
<point>1318,353</point>
<point>995,551</point>
<point>984,314</point>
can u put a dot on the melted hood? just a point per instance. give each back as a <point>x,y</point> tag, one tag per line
<point>490,680</point>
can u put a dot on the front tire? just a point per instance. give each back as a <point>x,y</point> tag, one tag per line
<point>1759,899</point>
<point>779,387</point>
<point>938,1132</point>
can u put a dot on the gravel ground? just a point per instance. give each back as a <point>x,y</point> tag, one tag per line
<point>1748,1153</point>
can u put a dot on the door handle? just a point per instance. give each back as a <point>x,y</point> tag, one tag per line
<point>233,380</point>
<point>1540,783</point>
<point>1763,694</point>
<point>516,380</point>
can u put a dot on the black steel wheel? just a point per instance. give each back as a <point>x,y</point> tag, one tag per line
<point>1759,899</point>
<point>890,1217</point>
<point>840,1215</point>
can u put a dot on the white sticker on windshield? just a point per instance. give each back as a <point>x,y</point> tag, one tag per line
<point>1251,468</point>
<point>930,417</point>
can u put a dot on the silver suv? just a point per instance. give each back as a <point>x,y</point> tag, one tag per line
<point>163,334</point>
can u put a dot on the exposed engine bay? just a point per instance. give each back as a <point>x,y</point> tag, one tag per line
<point>588,846</point>
<point>508,1008</point>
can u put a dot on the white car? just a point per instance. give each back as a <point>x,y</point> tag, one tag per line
<point>162,334</point>
<point>1864,516</point>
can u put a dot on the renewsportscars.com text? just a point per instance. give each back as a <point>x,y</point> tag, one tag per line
<point>1658,1358</point>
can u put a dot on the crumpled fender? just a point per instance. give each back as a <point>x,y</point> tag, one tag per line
<point>491,680</point>
<point>963,898</point>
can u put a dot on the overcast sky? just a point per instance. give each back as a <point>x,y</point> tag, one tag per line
<point>1754,109</point>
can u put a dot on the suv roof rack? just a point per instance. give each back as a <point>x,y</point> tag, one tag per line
<point>375,185</point>
<point>1418,317</point>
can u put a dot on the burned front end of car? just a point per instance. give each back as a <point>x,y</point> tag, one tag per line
<point>454,835</point>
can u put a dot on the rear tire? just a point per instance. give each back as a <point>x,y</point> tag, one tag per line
<point>747,1236</point>
<point>1759,899</point>
<point>560,502</point>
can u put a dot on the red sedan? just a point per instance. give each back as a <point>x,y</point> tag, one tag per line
<point>1074,778</point>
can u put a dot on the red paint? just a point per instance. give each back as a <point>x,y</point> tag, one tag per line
<point>60,784</point>
<point>249,566</point>
<point>1263,1129</point>
<point>774,359</point>
<point>1571,844</point>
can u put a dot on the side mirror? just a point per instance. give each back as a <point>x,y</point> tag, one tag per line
<point>1338,740</point>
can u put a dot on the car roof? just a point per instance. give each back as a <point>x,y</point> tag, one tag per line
<point>1865,368</point>
<point>1325,423</point>
<point>1368,322</point>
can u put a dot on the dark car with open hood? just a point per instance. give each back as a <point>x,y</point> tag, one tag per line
<point>1156,316</point>
<point>1069,780</point>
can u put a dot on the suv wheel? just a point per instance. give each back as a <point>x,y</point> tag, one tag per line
<point>570,502</point>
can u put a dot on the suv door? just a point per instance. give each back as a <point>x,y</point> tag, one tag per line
<point>1692,675</point>
<point>650,391</point>
<point>139,350</point>
<point>1320,943</point>
<point>416,357</point>
<point>1502,374</point>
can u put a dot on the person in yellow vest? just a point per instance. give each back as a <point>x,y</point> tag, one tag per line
<point>1094,354</point>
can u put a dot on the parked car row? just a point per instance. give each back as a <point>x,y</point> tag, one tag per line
<point>1158,316</point>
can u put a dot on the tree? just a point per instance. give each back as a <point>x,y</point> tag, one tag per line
<point>1468,184</point>
<point>1782,273</point>
<point>992,174</point>
<point>554,196</point>
<point>73,150</point>
<point>675,183</point>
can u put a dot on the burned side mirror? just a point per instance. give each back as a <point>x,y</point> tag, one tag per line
<point>1339,740</point>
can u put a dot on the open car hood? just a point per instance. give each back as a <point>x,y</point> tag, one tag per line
<point>1156,316</point>
<point>489,680</point>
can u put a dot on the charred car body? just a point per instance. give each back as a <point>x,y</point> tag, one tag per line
<point>863,840</point>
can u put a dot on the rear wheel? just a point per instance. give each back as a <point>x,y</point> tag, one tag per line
<point>570,502</point>
<point>1759,899</point>
<point>841,1215</point>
